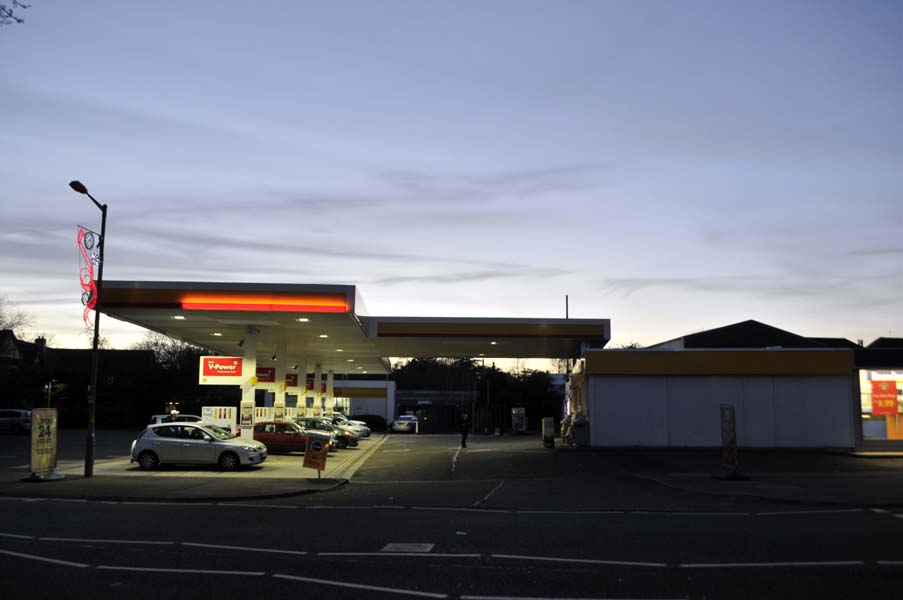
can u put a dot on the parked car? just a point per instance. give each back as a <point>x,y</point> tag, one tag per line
<point>194,443</point>
<point>344,437</point>
<point>357,426</point>
<point>15,420</point>
<point>175,417</point>
<point>286,436</point>
<point>405,423</point>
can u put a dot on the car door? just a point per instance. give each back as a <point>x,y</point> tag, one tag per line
<point>166,444</point>
<point>288,437</point>
<point>194,447</point>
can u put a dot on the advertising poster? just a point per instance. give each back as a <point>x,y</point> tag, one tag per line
<point>291,380</point>
<point>266,374</point>
<point>246,417</point>
<point>220,370</point>
<point>316,451</point>
<point>279,413</point>
<point>884,398</point>
<point>43,440</point>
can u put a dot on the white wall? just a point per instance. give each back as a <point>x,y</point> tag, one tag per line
<point>780,411</point>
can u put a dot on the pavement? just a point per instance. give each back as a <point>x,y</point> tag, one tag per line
<point>800,477</point>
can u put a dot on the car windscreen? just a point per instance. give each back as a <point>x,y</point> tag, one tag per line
<point>219,432</point>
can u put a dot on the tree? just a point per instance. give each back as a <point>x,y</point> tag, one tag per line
<point>13,317</point>
<point>7,12</point>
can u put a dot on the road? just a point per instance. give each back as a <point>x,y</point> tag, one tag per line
<point>503,518</point>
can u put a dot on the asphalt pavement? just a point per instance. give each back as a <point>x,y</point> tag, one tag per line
<point>583,477</point>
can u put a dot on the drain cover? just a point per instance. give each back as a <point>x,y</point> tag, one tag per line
<point>406,547</point>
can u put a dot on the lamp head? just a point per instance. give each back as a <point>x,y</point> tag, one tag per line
<point>78,186</point>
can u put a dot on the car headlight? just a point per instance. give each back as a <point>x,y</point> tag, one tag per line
<point>249,449</point>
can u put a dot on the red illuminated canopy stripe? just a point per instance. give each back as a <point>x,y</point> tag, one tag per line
<point>263,307</point>
<point>332,303</point>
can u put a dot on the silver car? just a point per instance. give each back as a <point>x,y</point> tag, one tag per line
<point>194,443</point>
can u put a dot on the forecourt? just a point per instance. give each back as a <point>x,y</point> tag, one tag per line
<point>281,332</point>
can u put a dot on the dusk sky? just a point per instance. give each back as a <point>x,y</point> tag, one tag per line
<point>672,166</point>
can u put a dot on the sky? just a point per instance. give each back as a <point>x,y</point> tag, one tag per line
<point>672,166</point>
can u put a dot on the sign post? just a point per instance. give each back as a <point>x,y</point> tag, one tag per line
<point>316,452</point>
<point>729,444</point>
<point>43,445</point>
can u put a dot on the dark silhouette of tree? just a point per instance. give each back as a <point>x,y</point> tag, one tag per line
<point>12,317</point>
<point>8,14</point>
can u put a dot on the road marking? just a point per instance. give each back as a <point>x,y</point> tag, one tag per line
<point>407,547</point>
<point>245,548</point>
<point>827,563</point>
<point>461,509</point>
<point>712,514</point>
<point>97,541</point>
<point>590,561</point>
<point>455,460</point>
<point>899,516</point>
<point>570,512</point>
<point>544,598</point>
<point>486,497</point>
<point>808,512</point>
<point>34,499</point>
<point>403,450</point>
<point>248,505</point>
<point>890,563</point>
<point>148,503</point>
<point>193,571</point>
<point>44,559</point>
<point>881,511</point>
<point>359,586</point>
<point>16,536</point>
<point>68,499</point>
<point>406,554</point>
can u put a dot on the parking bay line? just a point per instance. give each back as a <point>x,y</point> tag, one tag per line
<point>245,548</point>
<point>249,505</point>
<point>753,565</point>
<point>17,536</point>
<point>589,561</point>
<point>188,571</point>
<point>99,541</point>
<point>405,554</point>
<point>360,586</point>
<point>54,561</point>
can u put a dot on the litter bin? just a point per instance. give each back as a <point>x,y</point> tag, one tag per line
<point>548,432</point>
<point>580,430</point>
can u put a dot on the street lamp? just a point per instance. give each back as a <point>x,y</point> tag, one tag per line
<point>79,187</point>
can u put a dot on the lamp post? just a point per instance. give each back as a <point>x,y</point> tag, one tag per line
<point>79,187</point>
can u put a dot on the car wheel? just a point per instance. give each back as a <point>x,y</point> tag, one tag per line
<point>147,460</point>
<point>228,461</point>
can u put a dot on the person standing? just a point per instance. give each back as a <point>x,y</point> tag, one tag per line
<point>465,427</point>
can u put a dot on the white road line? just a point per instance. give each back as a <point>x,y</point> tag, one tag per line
<point>461,509</point>
<point>899,516</point>
<point>545,598</point>
<point>420,554</point>
<point>890,563</point>
<point>359,586</point>
<point>98,541</point>
<point>570,512</point>
<point>248,505</point>
<point>808,512</point>
<point>245,548</point>
<point>827,563</point>
<point>16,536</point>
<point>486,497</point>
<point>455,460</point>
<point>68,499</point>
<point>880,511</point>
<point>589,561</point>
<point>193,571</point>
<point>403,450</point>
<point>65,563</point>
<point>186,504</point>
<point>34,499</point>
<point>712,514</point>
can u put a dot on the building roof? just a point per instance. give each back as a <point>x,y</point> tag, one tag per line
<point>746,334</point>
<point>887,342</point>
<point>327,324</point>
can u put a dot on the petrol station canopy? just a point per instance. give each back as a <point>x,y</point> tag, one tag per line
<point>328,325</point>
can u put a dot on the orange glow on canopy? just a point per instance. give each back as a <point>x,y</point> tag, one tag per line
<point>334,303</point>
